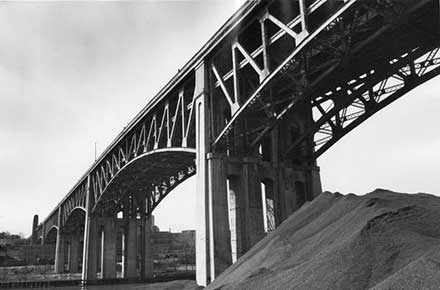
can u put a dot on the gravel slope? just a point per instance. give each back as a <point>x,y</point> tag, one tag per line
<point>382,241</point>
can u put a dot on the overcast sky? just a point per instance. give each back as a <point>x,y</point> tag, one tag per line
<point>72,74</point>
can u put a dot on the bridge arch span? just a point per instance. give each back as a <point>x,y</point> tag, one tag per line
<point>51,235</point>
<point>370,93</point>
<point>151,175</point>
<point>75,220</point>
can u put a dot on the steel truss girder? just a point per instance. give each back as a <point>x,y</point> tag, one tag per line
<point>347,32</point>
<point>365,96</point>
<point>160,190</point>
<point>283,71</point>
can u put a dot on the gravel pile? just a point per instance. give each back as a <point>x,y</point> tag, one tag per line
<point>382,241</point>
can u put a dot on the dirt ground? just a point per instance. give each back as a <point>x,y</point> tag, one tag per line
<point>380,241</point>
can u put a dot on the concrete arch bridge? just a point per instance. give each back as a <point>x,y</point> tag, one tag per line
<point>249,114</point>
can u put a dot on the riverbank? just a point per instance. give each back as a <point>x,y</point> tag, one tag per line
<point>172,285</point>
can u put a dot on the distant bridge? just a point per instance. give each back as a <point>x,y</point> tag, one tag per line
<point>249,114</point>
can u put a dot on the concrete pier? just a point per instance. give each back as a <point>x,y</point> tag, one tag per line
<point>235,219</point>
<point>109,249</point>
<point>202,199</point>
<point>74,252</point>
<point>59,253</point>
<point>220,237</point>
<point>252,209</point>
<point>90,252</point>
<point>131,249</point>
<point>148,250</point>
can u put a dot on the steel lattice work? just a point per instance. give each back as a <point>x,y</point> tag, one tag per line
<point>389,45</point>
<point>339,111</point>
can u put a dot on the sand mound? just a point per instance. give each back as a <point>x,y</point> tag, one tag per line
<point>382,241</point>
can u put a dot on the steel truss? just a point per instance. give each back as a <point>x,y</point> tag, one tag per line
<point>384,43</point>
<point>344,108</point>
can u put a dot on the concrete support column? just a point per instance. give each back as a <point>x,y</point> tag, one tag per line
<point>252,204</point>
<point>246,206</point>
<point>90,252</point>
<point>298,179</point>
<point>235,219</point>
<point>34,238</point>
<point>74,254</point>
<point>315,182</point>
<point>281,187</point>
<point>213,244</point>
<point>109,249</point>
<point>297,186</point>
<point>122,233</point>
<point>148,250</point>
<point>202,145</point>
<point>288,193</point>
<point>59,248</point>
<point>43,235</point>
<point>59,253</point>
<point>220,237</point>
<point>90,255</point>
<point>277,188</point>
<point>131,249</point>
